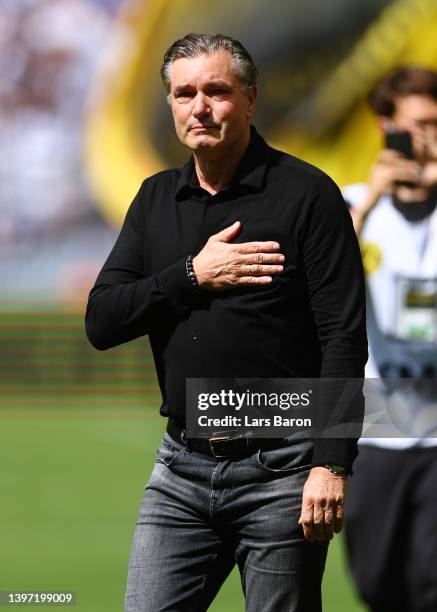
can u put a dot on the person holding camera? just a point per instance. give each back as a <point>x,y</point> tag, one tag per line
<point>392,498</point>
<point>405,104</point>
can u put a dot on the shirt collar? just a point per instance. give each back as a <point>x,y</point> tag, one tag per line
<point>250,172</point>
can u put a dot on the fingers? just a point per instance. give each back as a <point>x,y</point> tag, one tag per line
<point>220,265</point>
<point>259,270</point>
<point>322,504</point>
<point>258,247</point>
<point>387,155</point>
<point>329,519</point>
<point>391,169</point>
<point>410,175</point>
<point>307,521</point>
<point>406,170</point>
<point>339,518</point>
<point>256,274</point>
<point>262,258</point>
<point>398,164</point>
<point>319,523</point>
<point>228,233</point>
<point>254,280</point>
<point>233,230</point>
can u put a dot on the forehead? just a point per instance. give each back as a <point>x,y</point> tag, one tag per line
<point>416,107</point>
<point>202,69</point>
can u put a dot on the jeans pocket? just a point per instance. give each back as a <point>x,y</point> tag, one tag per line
<point>169,451</point>
<point>167,455</point>
<point>283,460</point>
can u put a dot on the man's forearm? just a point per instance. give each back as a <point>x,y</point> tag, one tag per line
<point>126,302</point>
<point>121,311</point>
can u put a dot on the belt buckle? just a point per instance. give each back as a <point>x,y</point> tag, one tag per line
<point>211,442</point>
<point>220,439</point>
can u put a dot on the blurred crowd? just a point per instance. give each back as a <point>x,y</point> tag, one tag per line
<point>48,51</point>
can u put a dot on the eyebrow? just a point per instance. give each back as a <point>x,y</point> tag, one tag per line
<point>217,83</point>
<point>179,88</point>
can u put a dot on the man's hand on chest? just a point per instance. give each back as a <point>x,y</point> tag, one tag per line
<point>221,265</point>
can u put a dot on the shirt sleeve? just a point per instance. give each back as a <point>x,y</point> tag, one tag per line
<point>124,302</point>
<point>336,289</point>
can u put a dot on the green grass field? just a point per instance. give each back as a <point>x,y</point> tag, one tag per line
<point>71,482</point>
<point>77,443</point>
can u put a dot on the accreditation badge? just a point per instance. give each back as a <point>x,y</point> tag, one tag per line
<point>416,309</point>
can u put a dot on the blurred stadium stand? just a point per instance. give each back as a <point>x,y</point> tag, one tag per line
<point>83,117</point>
<point>45,359</point>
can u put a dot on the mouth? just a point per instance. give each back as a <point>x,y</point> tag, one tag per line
<point>200,128</point>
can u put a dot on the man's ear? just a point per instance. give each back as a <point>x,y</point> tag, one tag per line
<point>252,100</point>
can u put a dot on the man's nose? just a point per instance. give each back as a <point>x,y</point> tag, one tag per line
<point>201,106</point>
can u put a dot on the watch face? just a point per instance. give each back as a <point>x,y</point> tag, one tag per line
<point>336,469</point>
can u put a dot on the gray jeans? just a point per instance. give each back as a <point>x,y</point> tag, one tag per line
<point>199,516</point>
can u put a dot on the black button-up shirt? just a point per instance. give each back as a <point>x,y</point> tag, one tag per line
<point>309,322</point>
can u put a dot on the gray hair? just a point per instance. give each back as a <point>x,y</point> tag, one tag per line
<point>193,45</point>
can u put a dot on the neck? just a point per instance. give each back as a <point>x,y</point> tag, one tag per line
<point>214,169</point>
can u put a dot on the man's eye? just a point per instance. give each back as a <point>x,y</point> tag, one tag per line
<point>183,96</point>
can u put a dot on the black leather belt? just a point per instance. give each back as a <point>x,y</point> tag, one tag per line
<point>223,446</point>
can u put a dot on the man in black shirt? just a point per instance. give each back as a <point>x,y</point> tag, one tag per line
<point>243,263</point>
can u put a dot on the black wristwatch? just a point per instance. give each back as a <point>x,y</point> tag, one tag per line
<point>338,470</point>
